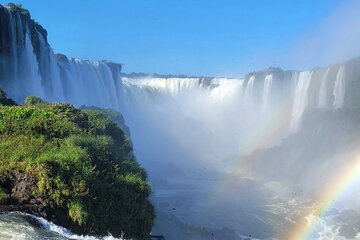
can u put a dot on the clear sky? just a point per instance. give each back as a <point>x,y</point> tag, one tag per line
<point>198,37</point>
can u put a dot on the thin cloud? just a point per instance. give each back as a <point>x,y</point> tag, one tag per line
<point>334,40</point>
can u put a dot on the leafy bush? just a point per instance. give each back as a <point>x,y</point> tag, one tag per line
<point>35,101</point>
<point>112,115</point>
<point>83,165</point>
<point>77,213</point>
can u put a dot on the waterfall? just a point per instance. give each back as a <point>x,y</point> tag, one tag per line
<point>191,106</point>
<point>339,88</point>
<point>57,88</point>
<point>31,69</point>
<point>18,58</point>
<point>28,66</point>
<point>176,85</point>
<point>322,103</point>
<point>225,89</point>
<point>249,90</point>
<point>90,83</point>
<point>266,92</point>
<point>300,100</point>
<point>172,86</point>
<point>50,72</point>
<point>13,72</point>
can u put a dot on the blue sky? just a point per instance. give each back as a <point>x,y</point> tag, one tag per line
<point>198,37</point>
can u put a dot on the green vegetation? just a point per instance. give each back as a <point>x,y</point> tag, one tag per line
<point>35,101</point>
<point>113,115</point>
<point>85,175</point>
<point>77,212</point>
<point>18,7</point>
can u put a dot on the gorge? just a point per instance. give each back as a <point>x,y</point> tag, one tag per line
<point>235,156</point>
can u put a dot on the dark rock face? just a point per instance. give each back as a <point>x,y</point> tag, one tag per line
<point>115,69</point>
<point>19,186</point>
<point>23,185</point>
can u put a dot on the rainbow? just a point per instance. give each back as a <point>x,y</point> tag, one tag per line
<point>270,129</point>
<point>346,181</point>
<point>267,131</point>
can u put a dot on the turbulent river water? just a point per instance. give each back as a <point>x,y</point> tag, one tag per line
<point>21,226</point>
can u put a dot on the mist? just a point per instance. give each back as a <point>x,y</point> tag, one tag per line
<point>252,155</point>
<point>188,133</point>
<point>334,40</point>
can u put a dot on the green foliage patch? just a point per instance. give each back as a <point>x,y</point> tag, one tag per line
<point>83,165</point>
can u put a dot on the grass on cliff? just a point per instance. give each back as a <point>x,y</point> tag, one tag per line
<point>82,163</point>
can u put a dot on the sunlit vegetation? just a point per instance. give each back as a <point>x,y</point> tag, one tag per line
<point>78,168</point>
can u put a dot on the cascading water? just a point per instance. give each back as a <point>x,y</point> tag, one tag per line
<point>249,90</point>
<point>300,100</point>
<point>50,72</point>
<point>31,69</point>
<point>323,90</point>
<point>19,226</point>
<point>37,71</point>
<point>227,90</point>
<point>267,90</point>
<point>339,88</point>
<point>95,79</point>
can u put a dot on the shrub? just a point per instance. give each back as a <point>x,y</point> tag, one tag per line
<point>77,213</point>
<point>35,101</point>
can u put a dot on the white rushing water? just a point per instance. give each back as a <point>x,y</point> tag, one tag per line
<point>98,83</point>
<point>339,88</point>
<point>22,226</point>
<point>249,91</point>
<point>31,69</point>
<point>323,90</point>
<point>300,99</point>
<point>267,91</point>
